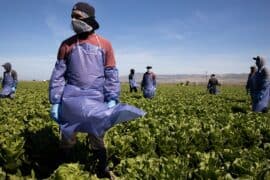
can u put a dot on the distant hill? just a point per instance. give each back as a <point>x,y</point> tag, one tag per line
<point>194,78</point>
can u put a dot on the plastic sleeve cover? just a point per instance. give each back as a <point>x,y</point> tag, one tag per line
<point>112,84</point>
<point>57,82</point>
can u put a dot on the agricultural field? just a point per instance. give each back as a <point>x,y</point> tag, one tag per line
<point>186,134</point>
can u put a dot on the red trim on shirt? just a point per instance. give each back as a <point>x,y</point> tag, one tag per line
<point>68,44</point>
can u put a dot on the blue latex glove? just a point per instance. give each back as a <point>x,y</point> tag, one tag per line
<point>55,112</point>
<point>13,89</point>
<point>111,103</point>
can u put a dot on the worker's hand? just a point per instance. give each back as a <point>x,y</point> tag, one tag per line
<point>13,89</point>
<point>111,103</point>
<point>55,112</point>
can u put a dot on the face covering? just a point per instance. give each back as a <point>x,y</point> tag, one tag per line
<point>79,26</point>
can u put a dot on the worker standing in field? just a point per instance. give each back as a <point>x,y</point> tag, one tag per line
<point>84,87</point>
<point>148,84</point>
<point>212,84</point>
<point>9,82</point>
<point>261,86</point>
<point>250,82</point>
<point>132,81</point>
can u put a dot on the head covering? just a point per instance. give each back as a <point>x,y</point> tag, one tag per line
<point>87,13</point>
<point>7,66</point>
<point>132,71</point>
<point>260,61</point>
<point>148,67</point>
<point>256,58</point>
<point>213,75</point>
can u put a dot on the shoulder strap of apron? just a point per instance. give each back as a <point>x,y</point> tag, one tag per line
<point>99,44</point>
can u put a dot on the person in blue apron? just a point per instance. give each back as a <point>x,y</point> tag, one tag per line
<point>261,86</point>
<point>9,82</point>
<point>84,87</point>
<point>250,82</point>
<point>148,84</point>
<point>212,85</point>
<point>132,81</point>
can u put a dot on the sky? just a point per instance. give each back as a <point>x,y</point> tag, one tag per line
<point>173,36</point>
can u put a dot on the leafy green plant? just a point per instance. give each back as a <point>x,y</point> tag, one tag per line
<point>186,134</point>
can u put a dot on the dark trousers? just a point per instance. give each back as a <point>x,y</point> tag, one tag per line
<point>213,90</point>
<point>131,89</point>
<point>99,151</point>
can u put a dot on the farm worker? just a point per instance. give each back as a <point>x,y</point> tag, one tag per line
<point>84,86</point>
<point>132,81</point>
<point>250,82</point>
<point>9,82</point>
<point>148,84</point>
<point>212,84</point>
<point>261,86</point>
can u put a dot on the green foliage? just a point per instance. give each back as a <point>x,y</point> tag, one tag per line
<point>186,134</point>
<point>70,172</point>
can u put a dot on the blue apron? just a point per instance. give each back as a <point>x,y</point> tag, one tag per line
<point>261,95</point>
<point>83,107</point>
<point>132,82</point>
<point>149,85</point>
<point>8,83</point>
